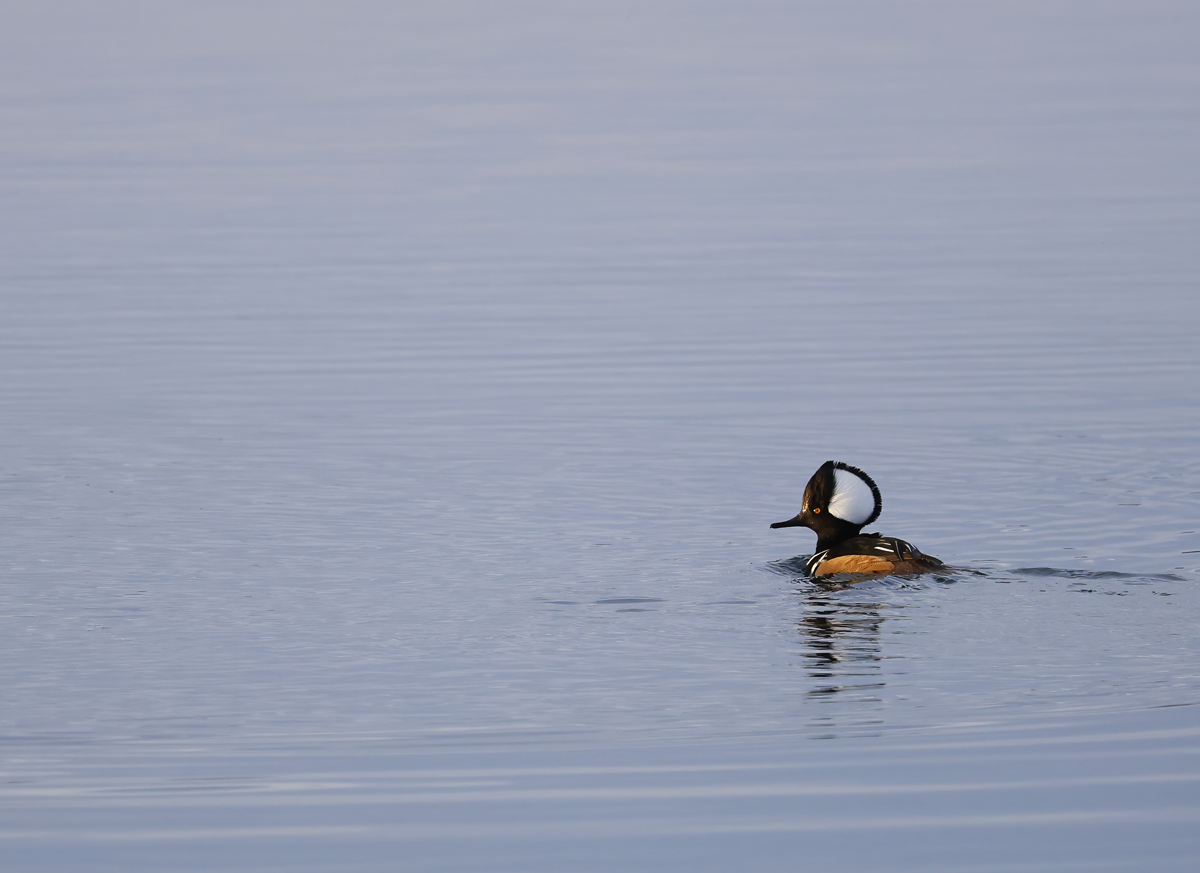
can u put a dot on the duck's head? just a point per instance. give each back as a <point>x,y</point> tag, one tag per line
<point>839,501</point>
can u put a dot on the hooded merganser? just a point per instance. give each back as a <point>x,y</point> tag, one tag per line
<point>839,501</point>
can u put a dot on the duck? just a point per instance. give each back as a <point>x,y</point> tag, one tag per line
<point>839,501</point>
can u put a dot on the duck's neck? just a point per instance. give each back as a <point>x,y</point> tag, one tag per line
<point>833,531</point>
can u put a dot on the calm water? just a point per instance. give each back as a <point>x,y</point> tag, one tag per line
<point>394,403</point>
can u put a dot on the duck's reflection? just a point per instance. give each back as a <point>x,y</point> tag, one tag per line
<point>842,652</point>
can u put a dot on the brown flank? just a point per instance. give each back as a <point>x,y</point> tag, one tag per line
<point>868,564</point>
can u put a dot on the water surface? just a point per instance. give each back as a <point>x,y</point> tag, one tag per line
<point>395,402</point>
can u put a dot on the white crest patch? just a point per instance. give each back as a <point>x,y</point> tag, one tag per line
<point>852,498</point>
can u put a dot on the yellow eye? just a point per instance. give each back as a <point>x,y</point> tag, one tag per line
<point>817,511</point>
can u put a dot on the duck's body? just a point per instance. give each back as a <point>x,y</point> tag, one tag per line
<point>871,553</point>
<point>839,501</point>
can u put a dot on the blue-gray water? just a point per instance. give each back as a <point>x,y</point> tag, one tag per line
<point>394,399</point>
